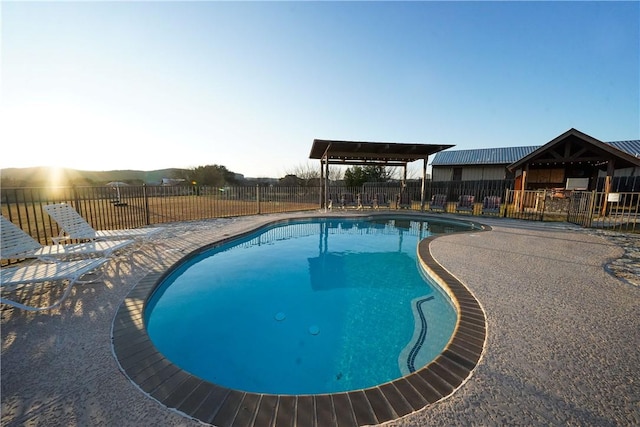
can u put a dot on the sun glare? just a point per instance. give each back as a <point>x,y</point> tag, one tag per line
<point>56,177</point>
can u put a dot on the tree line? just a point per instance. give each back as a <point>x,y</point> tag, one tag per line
<point>305,175</point>
<point>207,175</point>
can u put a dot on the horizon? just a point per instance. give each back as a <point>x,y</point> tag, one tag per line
<point>249,86</point>
<point>124,170</point>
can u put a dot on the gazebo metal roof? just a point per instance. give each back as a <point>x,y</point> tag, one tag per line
<point>379,153</point>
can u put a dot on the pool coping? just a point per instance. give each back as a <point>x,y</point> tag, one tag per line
<point>158,378</point>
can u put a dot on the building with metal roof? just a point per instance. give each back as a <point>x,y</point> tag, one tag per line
<point>573,160</point>
<point>492,163</point>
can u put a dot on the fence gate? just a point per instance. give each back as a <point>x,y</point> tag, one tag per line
<point>581,208</point>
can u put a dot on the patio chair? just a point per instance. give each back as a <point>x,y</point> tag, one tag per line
<point>41,273</point>
<point>465,204</point>
<point>380,199</point>
<point>73,226</point>
<point>349,200</point>
<point>491,205</point>
<point>334,201</point>
<point>17,244</point>
<point>403,201</point>
<point>365,200</point>
<point>439,202</point>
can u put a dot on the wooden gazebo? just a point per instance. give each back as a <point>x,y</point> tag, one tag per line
<point>372,154</point>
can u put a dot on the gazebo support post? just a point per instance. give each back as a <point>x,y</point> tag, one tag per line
<point>423,189</point>
<point>326,184</point>
<point>404,177</point>
<point>323,186</point>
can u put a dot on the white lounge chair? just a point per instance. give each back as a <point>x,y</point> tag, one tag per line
<point>63,271</point>
<point>16,244</point>
<point>74,226</point>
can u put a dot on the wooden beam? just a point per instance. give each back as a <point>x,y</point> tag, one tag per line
<point>608,183</point>
<point>367,162</point>
<point>375,155</point>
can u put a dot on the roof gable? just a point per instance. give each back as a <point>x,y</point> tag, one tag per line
<point>574,146</point>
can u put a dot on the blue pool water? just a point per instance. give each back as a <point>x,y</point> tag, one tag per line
<point>308,307</point>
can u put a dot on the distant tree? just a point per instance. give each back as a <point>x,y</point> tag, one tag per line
<point>291,181</point>
<point>398,172</point>
<point>355,176</point>
<point>211,175</point>
<point>309,174</point>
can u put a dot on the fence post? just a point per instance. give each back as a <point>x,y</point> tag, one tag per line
<point>258,198</point>
<point>544,204</point>
<point>146,204</point>
<point>592,208</point>
<point>506,203</point>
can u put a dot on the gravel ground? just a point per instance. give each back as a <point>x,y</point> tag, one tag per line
<point>562,349</point>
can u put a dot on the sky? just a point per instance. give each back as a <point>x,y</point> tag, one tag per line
<point>249,85</point>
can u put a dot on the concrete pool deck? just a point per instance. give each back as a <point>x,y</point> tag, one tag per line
<point>562,346</point>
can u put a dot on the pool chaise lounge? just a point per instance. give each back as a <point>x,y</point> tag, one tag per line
<point>74,226</point>
<point>50,266</point>
<point>17,244</point>
<point>41,273</point>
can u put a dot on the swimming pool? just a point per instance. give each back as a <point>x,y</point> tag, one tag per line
<point>153,374</point>
<point>329,305</point>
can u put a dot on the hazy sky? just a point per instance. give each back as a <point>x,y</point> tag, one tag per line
<point>249,85</point>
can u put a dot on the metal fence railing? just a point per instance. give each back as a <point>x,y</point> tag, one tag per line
<point>136,206</point>
<point>612,211</point>
<point>479,189</point>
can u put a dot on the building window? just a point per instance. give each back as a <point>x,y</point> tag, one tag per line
<point>457,174</point>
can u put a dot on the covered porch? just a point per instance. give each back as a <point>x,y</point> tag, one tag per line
<point>571,162</point>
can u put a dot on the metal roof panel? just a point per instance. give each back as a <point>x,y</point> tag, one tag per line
<point>482,156</point>
<point>361,151</point>
<point>631,147</point>
<point>508,155</point>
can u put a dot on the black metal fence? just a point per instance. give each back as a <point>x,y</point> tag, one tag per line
<point>136,206</point>
<point>452,190</point>
<point>479,189</point>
